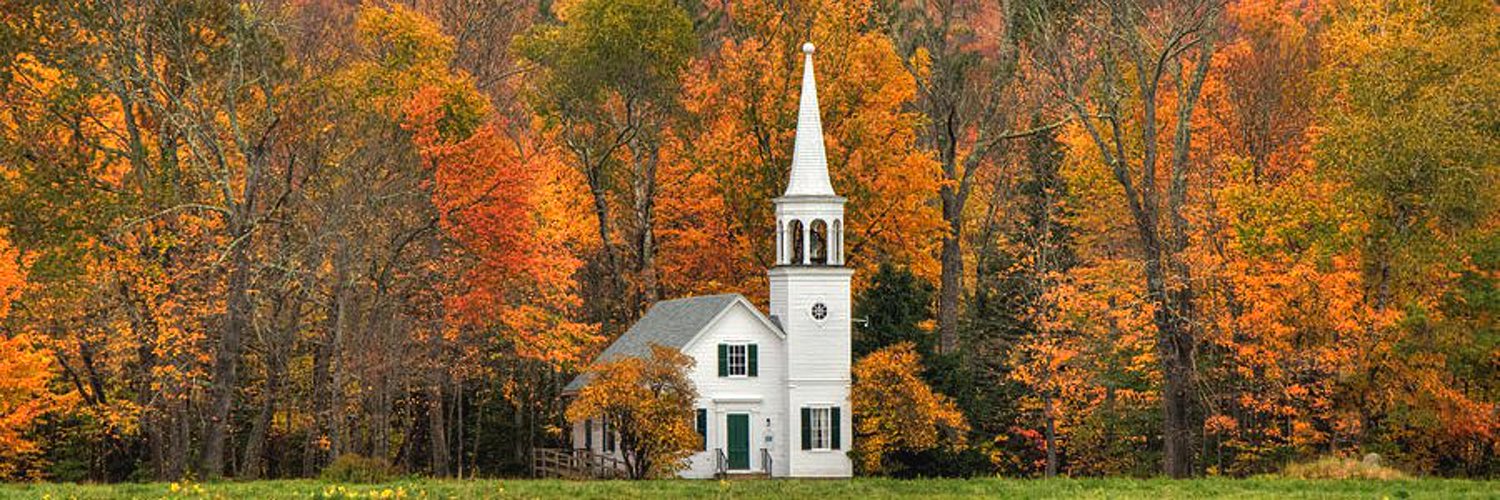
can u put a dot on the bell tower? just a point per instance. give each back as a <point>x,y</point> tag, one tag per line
<point>810,298</point>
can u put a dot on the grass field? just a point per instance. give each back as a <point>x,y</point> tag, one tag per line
<point>858,488</point>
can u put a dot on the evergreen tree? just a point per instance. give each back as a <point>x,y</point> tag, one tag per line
<point>893,309</point>
<point>1009,295</point>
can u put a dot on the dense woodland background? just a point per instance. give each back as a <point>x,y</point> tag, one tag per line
<point>1125,236</point>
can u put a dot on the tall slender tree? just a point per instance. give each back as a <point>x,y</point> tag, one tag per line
<point>1116,67</point>
<point>965,55</point>
<point>608,80</point>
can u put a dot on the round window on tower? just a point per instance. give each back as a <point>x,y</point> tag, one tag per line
<point>819,311</point>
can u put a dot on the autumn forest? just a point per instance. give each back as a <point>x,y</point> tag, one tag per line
<point>1091,237</point>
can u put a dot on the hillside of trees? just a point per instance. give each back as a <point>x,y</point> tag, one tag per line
<point>1123,237</point>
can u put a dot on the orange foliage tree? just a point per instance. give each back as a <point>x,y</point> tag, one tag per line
<point>1320,253</point>
<point>605,89</point>
<point>715,231</point>
<point>482,188</point>
<point>649,402</point>
<point>25,371</point>
<point>1135,90</point>
<point>1277,279</point>
<point>1407,136</point>
<point>895,410</point>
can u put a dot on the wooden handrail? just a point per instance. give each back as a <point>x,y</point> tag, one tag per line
<point>721,463</point>
<point>549,462</point>
<point>577,464</point>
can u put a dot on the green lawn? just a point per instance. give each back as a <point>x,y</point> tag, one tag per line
<point>859,488</point>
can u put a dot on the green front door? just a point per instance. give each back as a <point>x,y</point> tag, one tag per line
<point>739,441</point>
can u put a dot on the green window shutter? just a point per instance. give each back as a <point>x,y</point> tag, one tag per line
<point>834,419</point>
<point>807,428</point>
<point>703,426</point>
<point>588,435</point>
<point>723,360</point>
<point>754,369</point>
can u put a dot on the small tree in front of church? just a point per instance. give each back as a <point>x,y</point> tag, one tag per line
<point>649,401</point>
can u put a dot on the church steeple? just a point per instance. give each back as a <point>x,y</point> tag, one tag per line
<point>810,299</point>
<point>809,160</point>
<point>809,216</point>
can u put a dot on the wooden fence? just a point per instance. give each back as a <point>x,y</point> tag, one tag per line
<point>575,464</point>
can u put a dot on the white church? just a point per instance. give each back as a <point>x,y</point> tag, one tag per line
<point>773,390</point>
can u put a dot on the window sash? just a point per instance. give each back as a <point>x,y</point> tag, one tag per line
<point>739,360</point>
<point>609,437</point>
<point>702,426</point>
<point>588,434</point>
<point>822,429</point>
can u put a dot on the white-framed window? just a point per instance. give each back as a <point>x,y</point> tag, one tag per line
<point>739,360</point>
<point>822,428</point>
<point>609,437</point>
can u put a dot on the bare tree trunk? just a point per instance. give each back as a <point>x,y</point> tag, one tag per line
<point>1177,399</point>
<point>1049,414</point>
<point>152,423</point>
<point>474,451</point>
<point>616,288</point>
<point>252,463</point>
<point>437,429</point>
<point>1182,385</point>
<point>386,391</point>
<point>324,442</point>
<point>182,440</point>
<point>645,218</point>
<point>951,280</point>
<point>518,432</point>
<point>314,456</point>
<point>153,408</point>
<point>226,359</point>
<point>458,407</point>
<point>965,96</point>
<point>1175,346</point>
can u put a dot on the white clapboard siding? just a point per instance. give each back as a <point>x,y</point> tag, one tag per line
<point>763,396</point>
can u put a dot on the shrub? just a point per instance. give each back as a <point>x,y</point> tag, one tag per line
<point>1343,468</point>
<point>353,468</point>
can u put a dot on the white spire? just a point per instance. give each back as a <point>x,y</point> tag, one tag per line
<point>809,161</point>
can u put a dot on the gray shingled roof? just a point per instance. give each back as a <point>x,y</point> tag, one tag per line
<point>670,323</point>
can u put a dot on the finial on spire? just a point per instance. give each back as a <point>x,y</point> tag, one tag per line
<point>809,162</point>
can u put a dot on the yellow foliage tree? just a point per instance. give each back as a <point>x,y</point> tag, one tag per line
<point>895,410</point>
<point>650,403</point>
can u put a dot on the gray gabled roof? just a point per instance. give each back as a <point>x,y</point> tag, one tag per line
<point>669,323</point>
